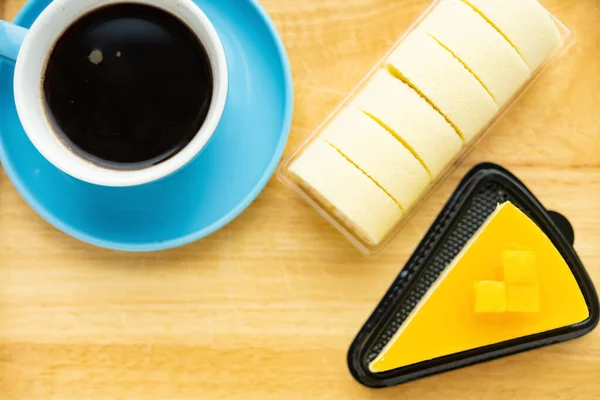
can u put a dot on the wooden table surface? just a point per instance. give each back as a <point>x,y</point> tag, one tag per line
<point>266,308</point>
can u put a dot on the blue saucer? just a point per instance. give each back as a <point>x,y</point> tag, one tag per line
<point>204,196</point>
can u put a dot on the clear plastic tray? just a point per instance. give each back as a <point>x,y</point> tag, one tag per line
<point>567,40</point>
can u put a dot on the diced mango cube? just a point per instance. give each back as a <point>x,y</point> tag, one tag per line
<point>522,298</point>
<point>519,267</point>
<point>490,296</point>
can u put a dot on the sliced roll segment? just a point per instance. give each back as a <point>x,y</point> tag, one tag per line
<point>346,191</point>
<point>422,63</point>
<point>525,24</point>
<point>379,154</point>
<point>411,119</point>
<point>480,47</point>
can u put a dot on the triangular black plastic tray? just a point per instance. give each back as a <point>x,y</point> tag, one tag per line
<point>472,203</point>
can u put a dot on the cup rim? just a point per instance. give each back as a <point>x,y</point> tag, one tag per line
<point>69,161</point>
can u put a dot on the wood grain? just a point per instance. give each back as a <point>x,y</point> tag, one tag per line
<point>267,307</point>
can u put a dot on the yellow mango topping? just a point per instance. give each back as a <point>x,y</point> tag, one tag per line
<point>490,296</point>
<point>519,267</point>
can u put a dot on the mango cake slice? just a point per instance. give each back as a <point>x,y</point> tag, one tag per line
<point>411,119</point>
<point>467,307</point>
<point>482,49</point>
<point>343,188</point>
<point>422,63</point>
<point>525,24</point>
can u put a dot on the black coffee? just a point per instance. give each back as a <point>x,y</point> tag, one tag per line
<point>128,85</point>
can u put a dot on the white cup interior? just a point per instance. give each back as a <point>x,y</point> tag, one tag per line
<point>31,105</point>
